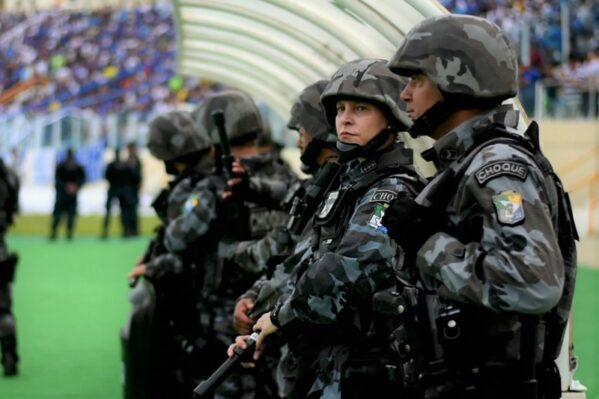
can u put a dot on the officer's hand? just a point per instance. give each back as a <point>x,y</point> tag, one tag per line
<point>411,224</point>
<point>265,326</point>
<point>241,322</point>
<point>138,271</point>
<point>238,183</point>
<point>241,342</point>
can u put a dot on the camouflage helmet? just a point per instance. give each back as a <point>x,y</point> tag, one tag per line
<point>243,121</point>
<point>310,115</point>
<point>462,54</point>
<point>293,122</point>
<point>174,134</point>
<point>367,80</point>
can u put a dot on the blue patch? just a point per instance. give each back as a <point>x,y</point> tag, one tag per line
<point>192,201</point>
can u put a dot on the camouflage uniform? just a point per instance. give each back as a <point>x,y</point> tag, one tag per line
<point>496,234</point>
<point>249,215</point>
<point>9,186</point>
<point>187,236</point>
<point>306,113</point>
<point>328,311</point>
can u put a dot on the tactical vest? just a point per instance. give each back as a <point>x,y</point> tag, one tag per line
<point>417,305</point>
<point>332,217</point>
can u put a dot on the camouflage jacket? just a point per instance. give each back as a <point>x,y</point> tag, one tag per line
<point>268,185</point>
<point>191,210</point>
<point>353,256</point>
<point>500,252</point>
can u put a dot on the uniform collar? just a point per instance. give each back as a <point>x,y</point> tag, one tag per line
<point>464,137</point>
<point>395,155</point>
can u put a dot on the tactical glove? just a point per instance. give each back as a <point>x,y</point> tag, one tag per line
<point>411,224</point>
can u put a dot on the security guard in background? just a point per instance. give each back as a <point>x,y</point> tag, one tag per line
<point>9,199</point>
<point>492,235</point>
<point>122,180</point>
<point>69,178</point>
<point>173,264</point>
<point>330,305</point>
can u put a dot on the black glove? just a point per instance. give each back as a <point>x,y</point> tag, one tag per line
<point>411,224</point>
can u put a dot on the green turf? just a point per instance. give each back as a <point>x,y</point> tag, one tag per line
<point>586,329</point>
<point>71,301</point>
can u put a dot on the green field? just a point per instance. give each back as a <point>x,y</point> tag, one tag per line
<point>71,301</point>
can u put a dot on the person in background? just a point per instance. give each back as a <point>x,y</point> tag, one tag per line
<point>121,187</point>
<point>134,182</point>
<point>69,177</point>
<point>9,198</point>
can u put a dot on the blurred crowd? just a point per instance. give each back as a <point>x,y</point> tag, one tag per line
<point>106,59</point>
<point>571,87</point>
<point>123,59</point>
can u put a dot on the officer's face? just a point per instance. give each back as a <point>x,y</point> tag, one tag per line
<point>358,122</point>
<point>420,94</point>
<point>304,139</point>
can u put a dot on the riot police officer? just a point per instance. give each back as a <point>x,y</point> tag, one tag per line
<point>317,147</point>
<point>491,235</point>
<point>173,262</point>
<point>9,191</point>
<point>250,208</point>
<point>330,305</point>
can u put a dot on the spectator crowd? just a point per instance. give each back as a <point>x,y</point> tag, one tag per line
<point>123,59</point>
<point>108,60</point>
<point>572,86</point>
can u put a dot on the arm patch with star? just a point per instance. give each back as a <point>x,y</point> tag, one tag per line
<point>501,168</point>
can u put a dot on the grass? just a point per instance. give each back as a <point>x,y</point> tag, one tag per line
<point>70,300</point>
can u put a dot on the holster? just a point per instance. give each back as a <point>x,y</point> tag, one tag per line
<point>402,310</point>
<point>7,268</point>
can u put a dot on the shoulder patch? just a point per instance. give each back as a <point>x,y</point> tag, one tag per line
<point>499,168</point>
<point>383,196</point>
<point>192,201</point>
<point>377,217</point>
<point>508,205</point>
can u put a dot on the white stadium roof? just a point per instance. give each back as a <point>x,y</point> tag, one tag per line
<point>274,48</point>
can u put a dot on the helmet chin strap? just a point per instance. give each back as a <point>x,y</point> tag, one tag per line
<point>348,151</point>
<point>433,117</point>
<point>441,110</point>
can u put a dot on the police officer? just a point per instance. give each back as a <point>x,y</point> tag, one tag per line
<point>330,306</point>
<point>69,178</point>
<point>9,191</point>
<point>317,146</point>
<point>491,235</point>
<point>250,205</point>
<point>174,261</point>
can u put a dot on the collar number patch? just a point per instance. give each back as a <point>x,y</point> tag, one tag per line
<point>328,204</point>
<point>500,168</point>
<point>375,220</point>
<point>508,205</point>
